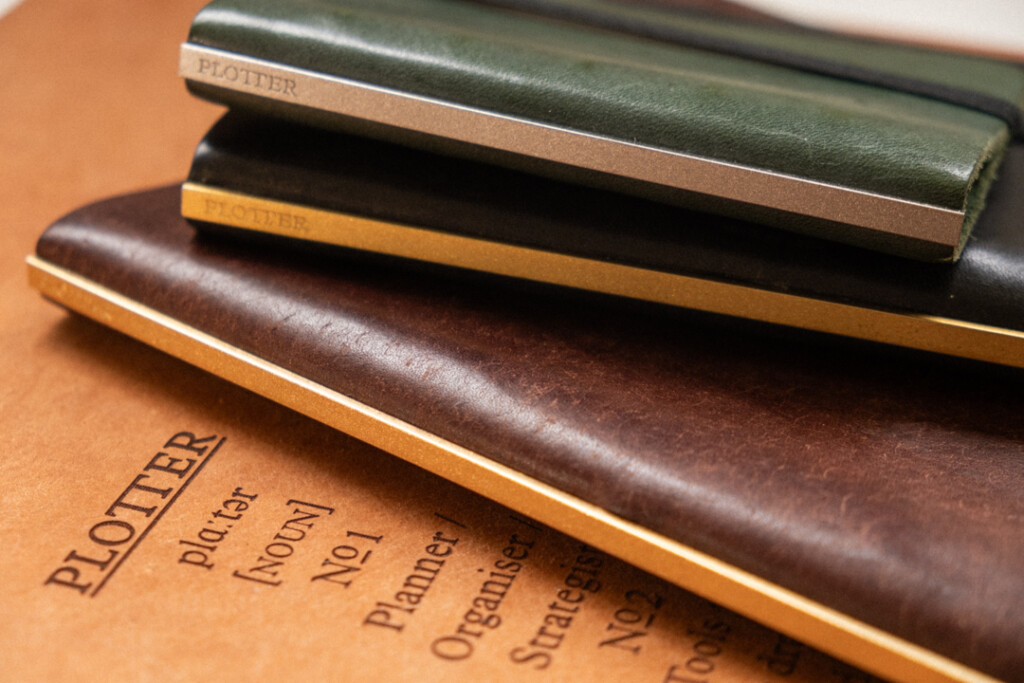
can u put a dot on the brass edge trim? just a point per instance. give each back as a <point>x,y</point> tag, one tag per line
<point>927,333</point>
<point>801,196</point>
<point>814,624</point>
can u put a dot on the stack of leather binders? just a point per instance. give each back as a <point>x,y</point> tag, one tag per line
<point>737,301</point>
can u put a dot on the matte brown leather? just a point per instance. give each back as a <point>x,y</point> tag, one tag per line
<point>886,485</point>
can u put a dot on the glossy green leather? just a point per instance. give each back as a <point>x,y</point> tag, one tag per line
<point>715,106</point>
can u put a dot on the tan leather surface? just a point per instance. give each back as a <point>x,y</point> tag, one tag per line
<point>90,106</point>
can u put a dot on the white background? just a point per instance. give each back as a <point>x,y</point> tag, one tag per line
<point>991,25</point>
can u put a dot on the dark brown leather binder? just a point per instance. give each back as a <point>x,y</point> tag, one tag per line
<point>864,501</point>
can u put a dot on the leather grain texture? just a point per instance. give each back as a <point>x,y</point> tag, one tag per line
<point>736,110</point>
<point>884,485</point>
<point>296,164</point>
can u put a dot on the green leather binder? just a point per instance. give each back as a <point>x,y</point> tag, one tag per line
<point>878,145</point>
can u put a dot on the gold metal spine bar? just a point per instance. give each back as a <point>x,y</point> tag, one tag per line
<point>810,622</point>
<point>927,333</point>
<point>800,196</point>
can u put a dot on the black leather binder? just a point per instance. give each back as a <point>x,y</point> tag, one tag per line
<point>261,176</point>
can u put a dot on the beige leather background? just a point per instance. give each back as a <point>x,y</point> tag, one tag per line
<point>90,105</point>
